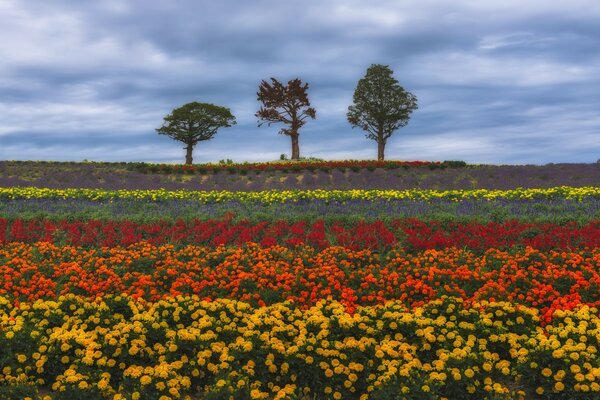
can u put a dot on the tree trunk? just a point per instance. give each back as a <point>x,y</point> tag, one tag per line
<point>380,149</point>
<point>295,147</point>
<point>188,154</point>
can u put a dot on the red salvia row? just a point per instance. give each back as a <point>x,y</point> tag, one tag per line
<point>409,234</point>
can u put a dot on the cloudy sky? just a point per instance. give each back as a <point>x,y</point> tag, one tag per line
<point>498,81</point>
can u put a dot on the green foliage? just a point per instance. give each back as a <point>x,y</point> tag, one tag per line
<point>194,122</point>
<point>455,163</point>
<point>380,105</point>
<point>15,390</point>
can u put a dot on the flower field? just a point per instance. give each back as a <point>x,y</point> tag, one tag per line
<point>280,196</point>
<point>319,294</point>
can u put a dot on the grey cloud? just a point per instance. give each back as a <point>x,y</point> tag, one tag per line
<point>497,81</point>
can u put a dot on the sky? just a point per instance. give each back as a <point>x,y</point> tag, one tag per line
<point>497,81</point>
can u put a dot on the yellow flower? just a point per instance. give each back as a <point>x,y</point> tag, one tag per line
<point>539,390</point>
<point>145,380</point>
<point>559,386</point>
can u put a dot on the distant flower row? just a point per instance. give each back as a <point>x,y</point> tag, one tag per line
<point>119,348</point>
<point>278,196</point>
<point>406,234</point>
<point>309,165</point>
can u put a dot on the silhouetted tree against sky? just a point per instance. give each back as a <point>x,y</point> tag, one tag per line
<point>287,104</point>
<point>194,122</point>
<point>380,106</point>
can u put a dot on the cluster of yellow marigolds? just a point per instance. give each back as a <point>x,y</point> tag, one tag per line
<point>279,196</point>
<point>115,347</point>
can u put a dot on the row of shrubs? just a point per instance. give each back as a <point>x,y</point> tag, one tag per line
<point>310,165</point>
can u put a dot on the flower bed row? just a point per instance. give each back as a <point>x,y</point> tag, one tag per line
<point>409,234</point>
<point>120,348</point>
<point>279,196</point>
<point>553,210</point>
<point>544,280</point>
<point>290,166</point>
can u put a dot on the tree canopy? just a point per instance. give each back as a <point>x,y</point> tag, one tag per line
<point>194,122</point>
<point>380,105</point>
<point>288,104</point>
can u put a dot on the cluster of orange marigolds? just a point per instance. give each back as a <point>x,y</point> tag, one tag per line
<point>546,280</point>
<point>165,322</point>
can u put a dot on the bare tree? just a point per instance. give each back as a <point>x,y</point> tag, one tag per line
<point>287,104</point>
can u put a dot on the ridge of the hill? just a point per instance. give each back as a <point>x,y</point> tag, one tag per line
<point>124,176</point>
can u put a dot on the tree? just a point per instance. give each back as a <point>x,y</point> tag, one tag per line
<point>195,122</point>
<point>287,104</point>
<point>380,106</point>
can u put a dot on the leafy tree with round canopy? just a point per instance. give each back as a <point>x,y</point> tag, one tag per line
<point>194,122</point>
<point>287,104</point>
<point>380,106</point>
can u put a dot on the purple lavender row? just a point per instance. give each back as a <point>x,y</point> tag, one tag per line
<point>115,176</point>
<point>550,210</point>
